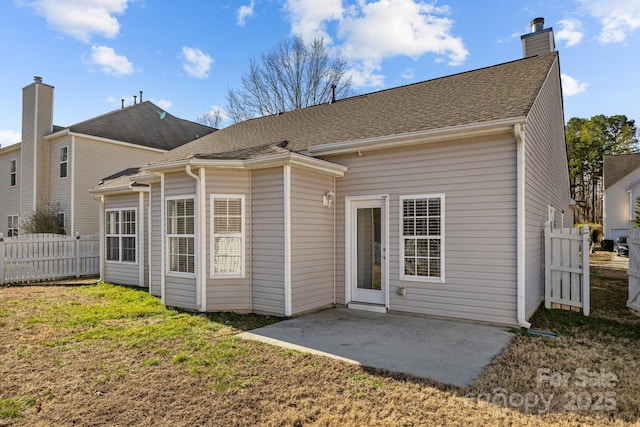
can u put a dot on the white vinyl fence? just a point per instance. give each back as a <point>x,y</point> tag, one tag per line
<point>567,268</point>
<point>38,257</point>
<point>634,270</point>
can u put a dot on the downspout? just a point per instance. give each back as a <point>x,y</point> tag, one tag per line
<point>102,236</point>
<point>335,283</point>
<point>198,232</point>
<point>203,240</point>
<point>250,230</point>
<point>518,130</point>
<point>163,242</point>
<point>141,246</point>
<point>287,240</point>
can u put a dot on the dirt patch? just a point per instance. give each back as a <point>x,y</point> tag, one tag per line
<point>68,369</point>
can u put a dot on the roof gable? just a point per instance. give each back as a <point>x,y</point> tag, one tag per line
<point>501,91</point>
<point>143,124</point>
<point>617,167</point>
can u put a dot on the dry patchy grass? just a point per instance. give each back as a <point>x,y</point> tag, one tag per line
<point>106,355</point>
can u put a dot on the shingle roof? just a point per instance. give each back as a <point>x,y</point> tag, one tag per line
<point>498,92</point>
<point>617,167</point>
<point>143,124</point>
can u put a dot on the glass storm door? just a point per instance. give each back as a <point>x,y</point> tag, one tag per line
<point>368,251</point>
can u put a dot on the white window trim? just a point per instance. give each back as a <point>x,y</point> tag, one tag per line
<point>64,161</point>
<point>16,225</point>
<point>212,273</point>
<point>13,174</point>
<point>64,220</point>
<point>404,277</point>
<point>120,235</point>
<point>167,257</point>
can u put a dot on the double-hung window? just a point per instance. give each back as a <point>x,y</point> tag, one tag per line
<point>180,221</point>
<point>64,161</point>
<point>120,232</point>
<point>422,246</point>
<point>227,235</point>
<point>13,178</point>
<point>12,225</point>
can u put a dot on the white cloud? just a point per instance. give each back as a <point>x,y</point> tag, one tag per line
<point>368,32</point>
<point>385,29</point>
<point>366,74</point>
<point>109,61</point>
<point>570,31</point>
<point>197,63</point>
<point>619,18</point>
<point>310,17</point>
<point>163,103</point>
<point>571,86</point>
<point>245,12</point>
<point>408,74</point>
<point>8,137</point>
<point>81,19</point>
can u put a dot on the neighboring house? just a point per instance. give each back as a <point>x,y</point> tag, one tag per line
<point>60,164</point>
<point>429,198</point>
<point>621,176</point>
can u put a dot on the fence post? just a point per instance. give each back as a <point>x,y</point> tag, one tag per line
<point>586,249</point>
<point>1,259</point>
<point>76,247</point>
<point>547,264</point>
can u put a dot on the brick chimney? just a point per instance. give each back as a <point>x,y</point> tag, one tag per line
<point>37,121</point>
<point>539,41</point>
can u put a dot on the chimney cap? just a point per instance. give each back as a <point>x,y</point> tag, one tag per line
<point>37,79</point>
<point>537,24</point>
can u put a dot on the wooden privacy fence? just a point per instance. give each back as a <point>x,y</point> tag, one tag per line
<point>567,268</point>
<point>37,257</point>
<point>634,269</point>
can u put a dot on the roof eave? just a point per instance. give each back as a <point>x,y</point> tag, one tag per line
<point>493,127</point>
<point>264,162</point>
<point>120,189</point>
<point>68,132</point>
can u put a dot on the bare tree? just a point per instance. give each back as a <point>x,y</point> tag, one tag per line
<point>211,118</point>
<point>292,75</point>
<point>47,218</point>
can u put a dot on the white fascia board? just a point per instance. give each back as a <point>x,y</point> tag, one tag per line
<point>67,132</point>
<point>10,148</point>
<point>275,160</point>
<point>494,127</point>
<point>120,189</point>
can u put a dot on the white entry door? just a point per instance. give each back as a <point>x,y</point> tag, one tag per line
<point>368,251</point>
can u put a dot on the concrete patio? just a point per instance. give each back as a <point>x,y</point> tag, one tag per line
<point>446,351</point>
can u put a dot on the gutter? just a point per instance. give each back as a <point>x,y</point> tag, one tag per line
<point>201,304</point>
<point>518,130</point>
<point>276,160</point>
<point>494,127</point>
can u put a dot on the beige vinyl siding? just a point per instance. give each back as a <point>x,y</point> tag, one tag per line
<point>36,122</point>
<point>478,179</point>
<point>267,211</point>
<point>9,195</point>
<point>60,188</point>
<point>144,246</point>
<point>232,293</point>
<point>546,180</point>
<point>111,158</point>
<point>180,289</point>
<point>27,149</point>
<point>124,273</point>
<point>156,233</point>
<point>538,43</point>
<point>312,242</point>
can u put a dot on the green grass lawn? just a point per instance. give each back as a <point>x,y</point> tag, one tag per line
<point>112,355</point>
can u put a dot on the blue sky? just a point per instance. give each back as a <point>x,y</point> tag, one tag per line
<point>185,56</point>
